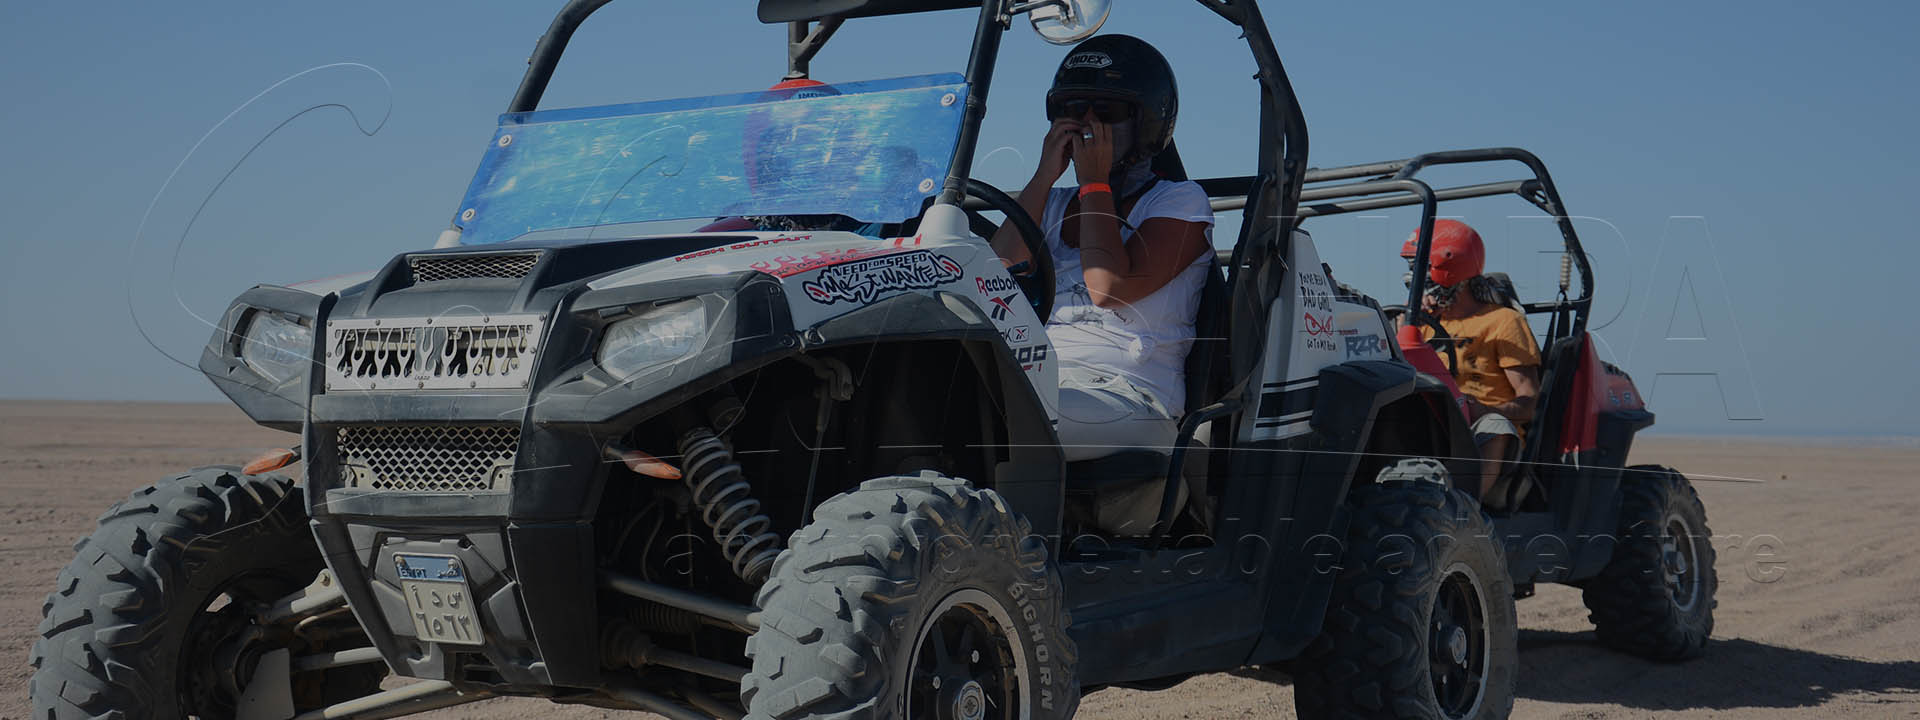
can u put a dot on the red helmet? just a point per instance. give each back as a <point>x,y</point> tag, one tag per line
<point>1457,253</point>
<point>791,88</point>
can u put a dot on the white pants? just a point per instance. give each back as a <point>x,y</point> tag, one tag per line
<point>1491,426</point>
<point>1102,413</point>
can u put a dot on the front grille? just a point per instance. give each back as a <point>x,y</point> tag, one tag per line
<point>446,353</point>
<point>455,267</point>
<point>428,458</point>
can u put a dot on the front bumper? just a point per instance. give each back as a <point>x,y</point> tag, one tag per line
<point>527,550</point>
<point>525,538</point>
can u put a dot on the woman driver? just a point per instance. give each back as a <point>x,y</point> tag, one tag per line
<point>1131,250</point>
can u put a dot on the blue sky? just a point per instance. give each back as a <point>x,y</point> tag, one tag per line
<point>1740,169</point>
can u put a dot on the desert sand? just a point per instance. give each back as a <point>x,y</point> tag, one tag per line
<point>1819,612</point>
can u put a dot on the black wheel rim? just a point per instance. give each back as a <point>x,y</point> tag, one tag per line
<point>1680,563</point>
<point>1457,644</point>
<point>965,663</point>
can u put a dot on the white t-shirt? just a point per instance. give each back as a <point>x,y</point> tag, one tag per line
<point>1145,342</point>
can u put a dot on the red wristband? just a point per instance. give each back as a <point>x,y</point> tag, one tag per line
<point>1094,187</point>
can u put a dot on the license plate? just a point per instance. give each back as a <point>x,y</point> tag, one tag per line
<point>438,598</point>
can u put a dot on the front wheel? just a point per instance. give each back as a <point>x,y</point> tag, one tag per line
<point>157,615</point>
<point>913,597</point>
<point>1655,599</point>
<point>1421,623</point>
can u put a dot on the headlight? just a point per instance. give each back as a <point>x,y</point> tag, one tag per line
<point>658,336</point>
<point>276,347</point>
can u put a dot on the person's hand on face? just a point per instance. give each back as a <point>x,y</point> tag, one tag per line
<point>1093,157</point>
<point>1057,150</point>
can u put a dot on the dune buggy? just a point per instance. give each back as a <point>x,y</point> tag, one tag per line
<point>813,474</point>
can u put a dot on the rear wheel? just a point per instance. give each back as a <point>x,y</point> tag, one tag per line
<point>1421,623</point>
<point>157,616</point>
<point>1655,598</point>
<point>913,597</point>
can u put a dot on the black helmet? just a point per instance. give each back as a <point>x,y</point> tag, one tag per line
<point>1123,67</point>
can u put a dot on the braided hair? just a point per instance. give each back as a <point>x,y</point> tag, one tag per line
<point>1482,290</point>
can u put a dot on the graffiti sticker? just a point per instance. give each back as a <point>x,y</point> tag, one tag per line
<point>863,280</point>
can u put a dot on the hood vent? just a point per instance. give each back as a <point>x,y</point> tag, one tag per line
<point>435,268</point>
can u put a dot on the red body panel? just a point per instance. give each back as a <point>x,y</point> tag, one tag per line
<point>1582,418</point>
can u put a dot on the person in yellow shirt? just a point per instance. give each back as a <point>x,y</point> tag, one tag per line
<point>1496,362</point>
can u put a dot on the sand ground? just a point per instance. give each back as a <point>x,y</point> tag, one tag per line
<point>1825,623</point>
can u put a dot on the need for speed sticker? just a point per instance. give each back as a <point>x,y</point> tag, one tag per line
<point>861,281</point>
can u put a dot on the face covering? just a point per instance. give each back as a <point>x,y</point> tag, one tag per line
<point>1130,174</point>
<point>1442,295</point>
<point>1122,140</point>
<point>1134,178</point>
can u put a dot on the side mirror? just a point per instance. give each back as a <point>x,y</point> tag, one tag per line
<point>1065,22</point>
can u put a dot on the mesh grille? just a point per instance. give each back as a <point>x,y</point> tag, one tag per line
<point>455,267</point>
<point>428,458</point>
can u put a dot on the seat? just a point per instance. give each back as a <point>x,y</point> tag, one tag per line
<point>1120,493</point>
<point>1517,480</point>
<point>1557,370</point>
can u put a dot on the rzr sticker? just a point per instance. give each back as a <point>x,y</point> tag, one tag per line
<point>1364,346</point>
<point>863,280</point>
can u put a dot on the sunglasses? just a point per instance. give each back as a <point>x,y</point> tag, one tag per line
<point>1108,111</point>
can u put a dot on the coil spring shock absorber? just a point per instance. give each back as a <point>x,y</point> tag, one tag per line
<point>726,504</point>
<point>1566,272</point>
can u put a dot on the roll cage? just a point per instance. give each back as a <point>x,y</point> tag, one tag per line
<point>1393,183</point>
<point>1270,196</point>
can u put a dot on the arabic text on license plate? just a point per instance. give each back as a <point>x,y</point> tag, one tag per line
<point>438,599</point>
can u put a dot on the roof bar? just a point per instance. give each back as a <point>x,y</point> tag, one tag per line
<point>1238,185</point>
<point>1321,194</point>
<point>1379,169</point>
<point>1374,203</point>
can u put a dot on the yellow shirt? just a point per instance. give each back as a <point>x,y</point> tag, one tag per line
<point>1488,342</point>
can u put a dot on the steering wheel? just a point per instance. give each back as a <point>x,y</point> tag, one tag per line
<point>1440,342</point>
<point>1036,280</point>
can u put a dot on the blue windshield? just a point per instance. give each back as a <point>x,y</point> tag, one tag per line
<point>873,151</point>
